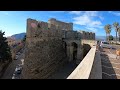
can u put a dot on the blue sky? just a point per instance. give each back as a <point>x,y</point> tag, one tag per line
<point>13,22</point>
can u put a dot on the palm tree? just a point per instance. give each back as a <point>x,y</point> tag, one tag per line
<point>119,33</point>
<point>116,25</point>
<point>108,31</point>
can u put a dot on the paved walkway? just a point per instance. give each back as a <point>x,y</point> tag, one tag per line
<point>110,65</point>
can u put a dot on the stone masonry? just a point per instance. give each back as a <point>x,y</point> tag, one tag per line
<point>49,45</point>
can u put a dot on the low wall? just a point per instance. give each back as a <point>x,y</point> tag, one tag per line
<point>83,70</point>
<point>90,42</point>
<point>96,72</point>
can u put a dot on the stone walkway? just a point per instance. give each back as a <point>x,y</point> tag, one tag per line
<point>110,65</point>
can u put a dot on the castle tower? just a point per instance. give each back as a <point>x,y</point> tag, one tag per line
<point>44,52</point>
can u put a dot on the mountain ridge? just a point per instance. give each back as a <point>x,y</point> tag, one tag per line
<point>18,36</point>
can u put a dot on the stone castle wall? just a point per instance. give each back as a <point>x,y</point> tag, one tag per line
<point>87,45</point>
<point>80,35</point>
<point>71,35</point>
<point>61,25</point>
<point>44,52</point>
<point>87,35</point>
<point>89,42</point>
<point>44,46</point>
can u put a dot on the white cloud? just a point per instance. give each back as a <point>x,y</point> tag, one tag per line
<point>87,19</point>
<point>91,13</point>
<point>4,12</point>
<point>76,12</point>
<point>114,13</point>
<point>95,24</point>
<point>82,20</point>
<point>92,29</point>
<point>57,11</point>
<point>102,18</point>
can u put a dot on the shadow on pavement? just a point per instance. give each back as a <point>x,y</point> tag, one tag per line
<point>107,68</point>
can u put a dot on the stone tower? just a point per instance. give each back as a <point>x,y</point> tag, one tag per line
<point>44,50</point>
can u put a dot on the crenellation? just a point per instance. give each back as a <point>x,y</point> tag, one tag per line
<point>53,29</point>
<point>45,51</point>
<point>61,25</point>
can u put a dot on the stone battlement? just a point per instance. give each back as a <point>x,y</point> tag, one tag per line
<point>87,35</point>
<point>61,25</point>
<point>55,28</point>
<point>40,29</point>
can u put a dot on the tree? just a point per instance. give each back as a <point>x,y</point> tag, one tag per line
<point>110,37</point>
<point>119,33</point>
<point>24,39</point>
<point>5,53</point>
<point>116,25</point>
<point>108,31</point>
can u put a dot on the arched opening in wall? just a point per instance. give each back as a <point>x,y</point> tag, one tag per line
<point>86,48</point>
<point>65,47</point>
<point>75,46</point>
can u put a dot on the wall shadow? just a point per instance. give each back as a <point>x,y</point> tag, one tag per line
<point>86,48</point>
<point>75,46</point>
<point>65,47</point>
<point>106,72</point>
<point>64,71</point>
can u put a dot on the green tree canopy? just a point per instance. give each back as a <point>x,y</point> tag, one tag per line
<point>5,53</point>
<point>107,30</point>
<point>24,39</point>
<point>116,25</point>
<point>111,37</point>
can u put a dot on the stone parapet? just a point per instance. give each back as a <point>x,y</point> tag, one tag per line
<point>83,70</point>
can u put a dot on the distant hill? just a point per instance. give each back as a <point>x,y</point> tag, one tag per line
<point>18,36</point>
<point>101,38</point>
